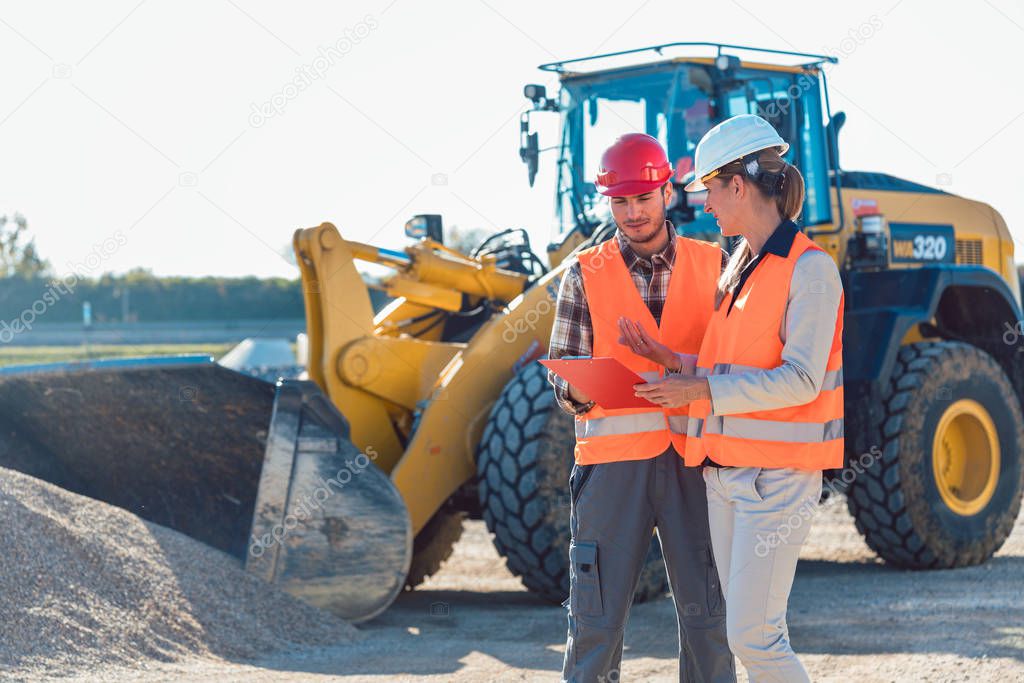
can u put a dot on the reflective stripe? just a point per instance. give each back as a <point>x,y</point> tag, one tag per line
<point>678,423</point>
<point>833,378</point>
<point>727,369</point>
<point>766,430</point>
<point>618,425</point>
<point>650,376</point>
<point>734,369</point>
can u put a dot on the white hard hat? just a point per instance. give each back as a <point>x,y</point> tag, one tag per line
<point>730,140</point>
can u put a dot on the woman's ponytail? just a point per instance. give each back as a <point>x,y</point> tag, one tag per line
<point>789,196</point>
<point>775,180</point>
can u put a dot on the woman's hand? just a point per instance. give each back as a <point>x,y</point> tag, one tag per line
<point>674,391</point>
<point>633,335</point>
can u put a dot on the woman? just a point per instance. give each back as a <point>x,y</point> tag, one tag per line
<point>765,392</point>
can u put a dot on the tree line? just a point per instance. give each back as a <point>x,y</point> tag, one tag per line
<point>140,296</point>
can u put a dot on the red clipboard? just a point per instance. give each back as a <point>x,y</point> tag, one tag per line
<point>606,381</point>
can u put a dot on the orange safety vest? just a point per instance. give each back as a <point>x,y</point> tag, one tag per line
<point>640,433</point>
<point>746,339</point>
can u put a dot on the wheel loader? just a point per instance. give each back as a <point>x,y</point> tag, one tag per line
<point>352,485</point>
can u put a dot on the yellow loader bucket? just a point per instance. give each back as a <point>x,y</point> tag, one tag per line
<point>264,472</point>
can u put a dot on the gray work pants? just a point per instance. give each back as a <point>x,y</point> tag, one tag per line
<point>615,508</point>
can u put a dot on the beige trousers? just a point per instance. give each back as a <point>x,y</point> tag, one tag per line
<point>758,519</point>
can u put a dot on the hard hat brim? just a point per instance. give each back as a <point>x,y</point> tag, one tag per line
<point>631,188</point>
<point>696,185</point>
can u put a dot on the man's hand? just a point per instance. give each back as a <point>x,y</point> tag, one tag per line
<point>674,391</point>
<point>633,335</point>
<point>578,395</point>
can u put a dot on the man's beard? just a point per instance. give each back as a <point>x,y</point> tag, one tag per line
<point>658,221</point>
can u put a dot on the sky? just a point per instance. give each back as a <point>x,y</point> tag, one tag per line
<point>175,136</point>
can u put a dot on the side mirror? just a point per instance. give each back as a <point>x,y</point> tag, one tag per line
<point>529,147</point>
<point>832,129</point>
<point>425,225</point>
<point>836,122</point>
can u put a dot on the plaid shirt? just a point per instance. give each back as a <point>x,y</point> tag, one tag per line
<point>572,333</point>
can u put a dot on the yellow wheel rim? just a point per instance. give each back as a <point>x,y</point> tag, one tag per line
<point>965,457</point>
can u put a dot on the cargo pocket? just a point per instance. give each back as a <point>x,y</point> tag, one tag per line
<point>716,600</point>
<point>585,596</point>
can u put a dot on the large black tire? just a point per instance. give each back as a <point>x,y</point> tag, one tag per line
<point>896,501</point>
<point>433,545</point>
<point>523,466</point>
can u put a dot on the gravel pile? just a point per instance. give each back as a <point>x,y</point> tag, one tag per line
<point>85,584</point>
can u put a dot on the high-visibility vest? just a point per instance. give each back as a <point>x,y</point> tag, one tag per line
<point>746,339</point>
<point>640,433</point>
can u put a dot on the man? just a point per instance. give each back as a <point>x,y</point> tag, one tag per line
<point>644,297</point>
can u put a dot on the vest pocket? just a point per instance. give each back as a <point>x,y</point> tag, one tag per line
<point>585,596</point>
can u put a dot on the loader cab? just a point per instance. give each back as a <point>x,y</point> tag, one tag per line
<point>677,101</point>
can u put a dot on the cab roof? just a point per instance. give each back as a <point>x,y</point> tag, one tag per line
<point>781,60</point>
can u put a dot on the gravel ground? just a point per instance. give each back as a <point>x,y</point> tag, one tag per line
<point>85,585</point>
<point>851,618</point>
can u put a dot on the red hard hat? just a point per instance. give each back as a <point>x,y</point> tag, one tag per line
<point>634,164</point>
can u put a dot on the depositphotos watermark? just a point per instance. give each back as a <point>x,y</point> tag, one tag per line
<point>517,323</point>
<point>303,510</point>
<point>847,46</point>
<point>1013,333</point>
<point>60,287</point>
<point>809,508</point>
<point>307,74</point>
<point>23,322</point>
